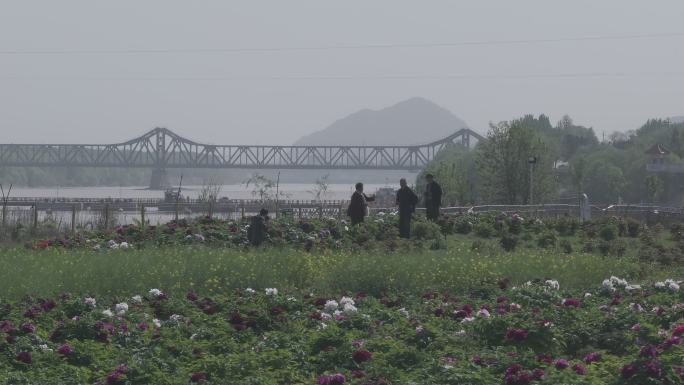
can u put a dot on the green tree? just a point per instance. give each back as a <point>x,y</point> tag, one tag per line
<point>503,168</point>
<point>654,186</point>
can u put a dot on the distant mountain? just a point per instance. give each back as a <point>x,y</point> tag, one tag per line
<point>413,121</point>
<point>677,119</point>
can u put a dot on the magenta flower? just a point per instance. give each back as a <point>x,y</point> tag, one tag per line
<point>28,327</point>
<point>198,377</point>
<point>360,356</point>
<point>538,374</point>
<point>337,379</point>
<point>358,374</point>
<point>477,360</point>
<point>516,334</point>
<point>591,357</point>
<point>6,326</point>
<point>571,302</point>
<point>653,369</point>
<point>545,358</point>
<point>192,297</point>
<point>648,351</point>
<point>627,371</point>
<point>678,330</point>
<point>65,350</point>
<point>24,357</point>
<point>579,369</point>
<point>561,364</point>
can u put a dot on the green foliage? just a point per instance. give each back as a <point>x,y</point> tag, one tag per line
<point>608,232</point>
<point>503,166</point>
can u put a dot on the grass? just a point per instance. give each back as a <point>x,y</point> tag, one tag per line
<point>177,269</point>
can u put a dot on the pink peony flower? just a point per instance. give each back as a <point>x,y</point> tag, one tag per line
<point>198,377</point>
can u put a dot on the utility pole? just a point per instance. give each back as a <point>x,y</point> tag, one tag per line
<point>531,161</point>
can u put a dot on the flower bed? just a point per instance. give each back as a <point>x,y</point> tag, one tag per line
<point>536,333</point>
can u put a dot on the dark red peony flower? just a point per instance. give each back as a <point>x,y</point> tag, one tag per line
<point>24,357</point>
<point>360,356</point>
<point>648,351</point>
<point>198,377</point>
<point>516,334</point>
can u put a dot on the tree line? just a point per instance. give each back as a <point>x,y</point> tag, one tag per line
<point>529,160</point>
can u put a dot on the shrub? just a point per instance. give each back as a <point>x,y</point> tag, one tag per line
<point>463,225</point>
<point>566,246</point>
<point>425,230</point>
<point>547,239</point>
<point>484,230</point>
<point>608,232</point>
<point>509,242</point>
<point>633,228</point>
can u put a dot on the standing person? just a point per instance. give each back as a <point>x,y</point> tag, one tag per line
<point>358,207</point>
<point>258,228</point>
<point>433,197</point>
<point>407,201</point>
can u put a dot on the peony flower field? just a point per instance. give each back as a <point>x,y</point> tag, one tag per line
<point>489,299</point>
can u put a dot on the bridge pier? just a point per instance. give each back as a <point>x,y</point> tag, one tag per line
<point>158,181</point>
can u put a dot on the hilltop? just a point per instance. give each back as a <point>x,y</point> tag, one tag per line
<point>413,121</point>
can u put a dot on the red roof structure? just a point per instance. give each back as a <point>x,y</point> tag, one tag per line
<point>657,149</point>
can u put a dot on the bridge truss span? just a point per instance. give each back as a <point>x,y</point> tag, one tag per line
<point>160,149</point>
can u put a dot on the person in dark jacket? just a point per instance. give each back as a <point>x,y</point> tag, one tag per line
<point>258,229</point>
<point>433,197</point>
<point>407,201</point>
<point>358,207</point>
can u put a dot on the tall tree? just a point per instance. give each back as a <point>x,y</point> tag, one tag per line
<point>504,168</point>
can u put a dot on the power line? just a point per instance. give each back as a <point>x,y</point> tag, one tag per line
<point>369,77</point>
<point>339,47</point>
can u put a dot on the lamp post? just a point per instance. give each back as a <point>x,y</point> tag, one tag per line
<point>531,161</point>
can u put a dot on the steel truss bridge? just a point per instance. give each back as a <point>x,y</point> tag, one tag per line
<point>161,149</point>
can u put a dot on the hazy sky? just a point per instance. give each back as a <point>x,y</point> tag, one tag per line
<point>105,71</point>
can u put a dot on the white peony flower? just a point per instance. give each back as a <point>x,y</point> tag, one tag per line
<point>618,281</point>
<point>121,308</point>
<point>349,308</point>
<point>249,290</point>
<point>483,313</point>
<point>156,323</point>
<point>137,298</point>
<point>346,300</point>
<point>552,284</point>
<point>460,333</point>
<point>632,287</point>
<point>45,348</point>
<point>272,291</point>
<point>404,312</point>
<point>175,317</point>
<point>124,245</point>
<point>467,319</point>
<point>326,316</point>
<point>292,299</point>
<point>194,336</point>
<point>156,293</point>
<point>90,301</point>
<point>107,313</point>
<point>587,295</point>
<point>607,285</point>
<point>331,306</point>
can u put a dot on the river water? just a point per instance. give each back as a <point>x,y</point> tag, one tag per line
<point>293,191</point>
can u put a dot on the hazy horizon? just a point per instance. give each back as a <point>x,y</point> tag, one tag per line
<point>265,72</point>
